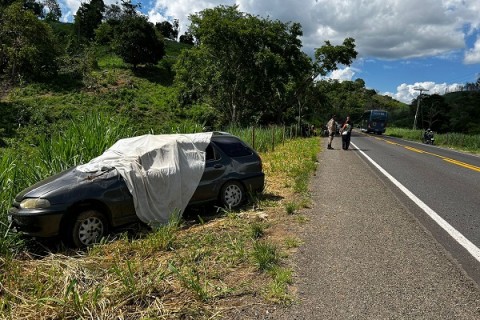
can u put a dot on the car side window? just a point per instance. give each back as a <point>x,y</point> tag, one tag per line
<point>211,155</point>
<point>233,147</point>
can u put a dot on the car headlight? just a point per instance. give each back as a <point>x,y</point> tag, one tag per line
<point>34,203</point>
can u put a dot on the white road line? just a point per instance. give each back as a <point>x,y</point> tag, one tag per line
<point>460,238</point>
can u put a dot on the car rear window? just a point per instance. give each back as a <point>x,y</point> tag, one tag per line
<point>233,147</point>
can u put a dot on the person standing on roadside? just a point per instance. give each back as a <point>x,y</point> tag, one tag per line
<point>346,132</point>
<point>332,127</point>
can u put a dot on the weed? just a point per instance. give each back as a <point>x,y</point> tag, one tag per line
<point>266,255</point>
<point>237,252</point>
<point>126,276</point>
<point>278,288</point>
<point>191,280</point>
<point>162,237</point>
<point>257,229</point>
<point>291,207</point>
<point>292,242</point>
<point>302,219</point>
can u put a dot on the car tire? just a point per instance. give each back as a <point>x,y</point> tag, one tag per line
<point>232,195</point>
<point>88,228</point>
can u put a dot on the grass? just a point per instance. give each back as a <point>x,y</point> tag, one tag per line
<point>291,207</point>
<point>278,289</point>
<point>265,255</point>
<point>187,269</point>
<point>257,229</point>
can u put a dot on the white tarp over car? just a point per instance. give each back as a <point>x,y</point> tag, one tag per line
<point>161,171</point>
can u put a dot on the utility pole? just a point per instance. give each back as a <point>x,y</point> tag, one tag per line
<point>418,105</point>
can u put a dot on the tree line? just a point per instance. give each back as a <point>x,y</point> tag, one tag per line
<point>241,68</point>
<point>453,112</point>
<point>238,69</point>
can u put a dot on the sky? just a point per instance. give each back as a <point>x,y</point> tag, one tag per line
<point>403,45</point>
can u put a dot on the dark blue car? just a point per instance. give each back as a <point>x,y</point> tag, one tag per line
<point>82,207</point>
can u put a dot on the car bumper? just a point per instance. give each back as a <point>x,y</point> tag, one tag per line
<point>37,223</point>
<point>256,183</point>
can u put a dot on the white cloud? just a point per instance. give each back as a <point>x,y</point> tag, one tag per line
<point>342,74</point>
<point>385,29</point>
<point>407,92</point>
<point>473,55</point>
<point>155,16</point>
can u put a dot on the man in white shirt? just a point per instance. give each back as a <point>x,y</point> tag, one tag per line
<point>332,127</point>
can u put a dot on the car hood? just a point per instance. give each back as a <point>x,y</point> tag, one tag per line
<point>62,182</point>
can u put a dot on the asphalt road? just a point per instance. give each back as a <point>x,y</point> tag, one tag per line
<point>370,252</point>
<point>445,181</point>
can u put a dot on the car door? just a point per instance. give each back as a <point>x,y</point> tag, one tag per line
<point>212,176</point>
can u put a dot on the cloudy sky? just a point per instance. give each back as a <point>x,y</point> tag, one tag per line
<point>402,44</point>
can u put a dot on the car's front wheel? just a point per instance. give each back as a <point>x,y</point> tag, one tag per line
<point>232,194</point>
<point>88,228</point>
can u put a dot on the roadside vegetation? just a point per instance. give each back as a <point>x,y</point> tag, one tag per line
<point>68,91</point>
<point>203,267</point>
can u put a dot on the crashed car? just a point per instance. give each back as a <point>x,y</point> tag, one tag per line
<point>147,178</point>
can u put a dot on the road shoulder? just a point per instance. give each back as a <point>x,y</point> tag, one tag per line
<point>365,255</point>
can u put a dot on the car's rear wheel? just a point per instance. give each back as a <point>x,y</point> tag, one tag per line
<point>232,194</point>
<point>88,228</point>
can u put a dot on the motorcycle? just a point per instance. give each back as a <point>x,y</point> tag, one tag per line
<point>428,137</point>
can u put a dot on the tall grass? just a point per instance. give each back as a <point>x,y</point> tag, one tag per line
<point>82,140</point>
<point>452,140</point>
<point>8,177</point>
<point>457,140</point>
<point>409,134</point>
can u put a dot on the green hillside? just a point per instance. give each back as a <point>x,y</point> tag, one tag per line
<point>143,97</point>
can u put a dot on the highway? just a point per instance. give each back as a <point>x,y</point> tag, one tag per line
<point>441,187</point>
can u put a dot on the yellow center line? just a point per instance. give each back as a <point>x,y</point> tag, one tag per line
<point>390,142</point>
<point>452,161</point>
<point>463,164</point>
<point>414,149</point>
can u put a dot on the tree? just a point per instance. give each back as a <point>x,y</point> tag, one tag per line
<point>168,30</point>
<point>132,37</point>
<point>27,45</point>
<point>252,69</point>
<point>243,66</point>
<point>34,6</point>
<point>105,33</point>
<point>52,11</point>
<point>113,12</point>
<point>138,42</point>
<point>186,38</point>
<point>88,18</point>
<point>328,57</point>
